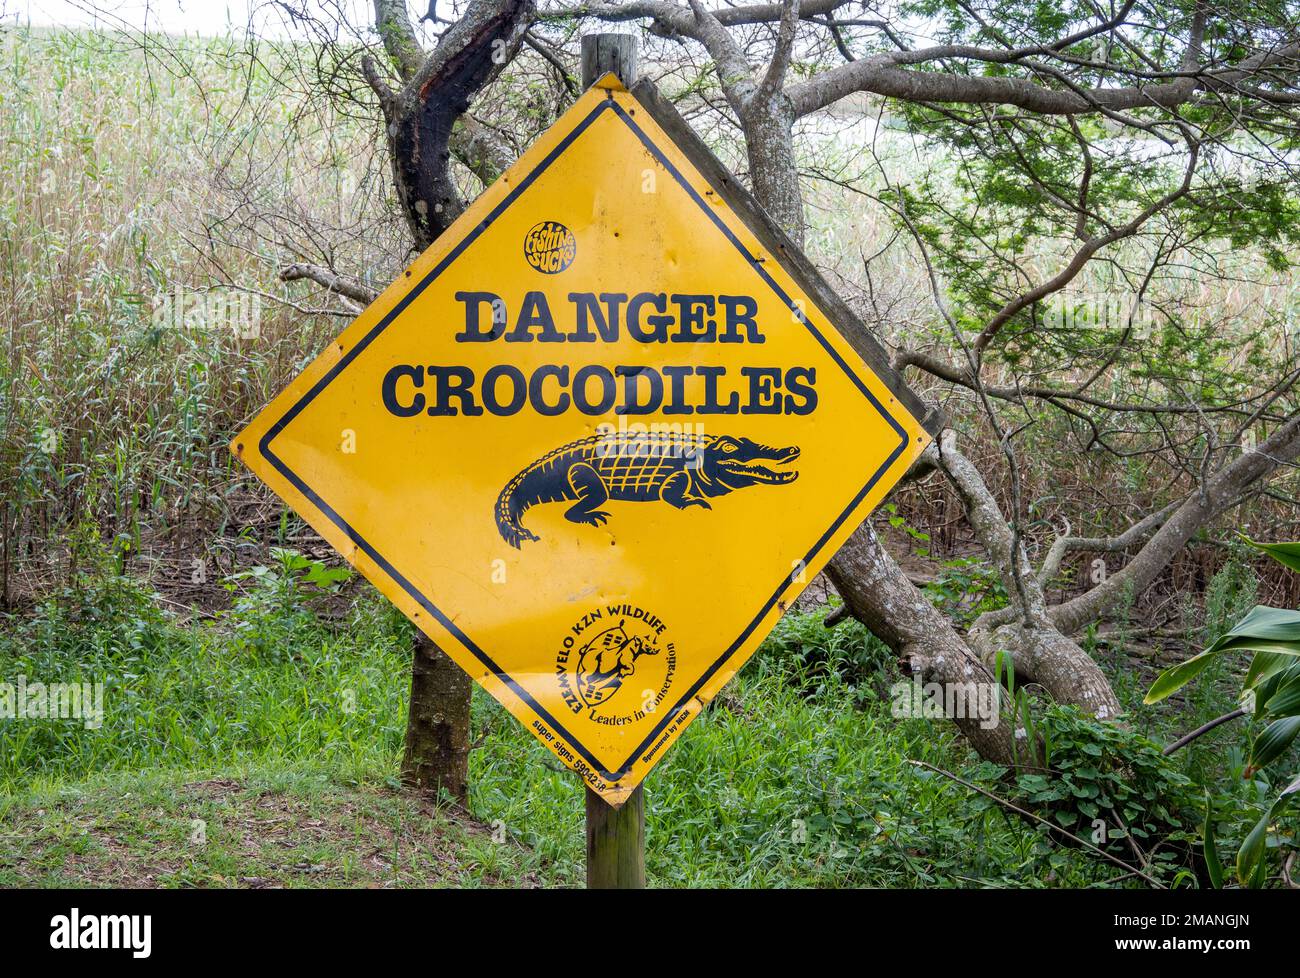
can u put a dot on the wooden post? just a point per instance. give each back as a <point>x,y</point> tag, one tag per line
<point>616,843</point>
<point>615,836</point>
<point>608,52</point>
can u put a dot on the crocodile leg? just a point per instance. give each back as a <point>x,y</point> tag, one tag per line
<point>678,491</point>
<point>588,486</point>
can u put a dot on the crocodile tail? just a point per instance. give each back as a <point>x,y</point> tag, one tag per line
<point>509,513</point>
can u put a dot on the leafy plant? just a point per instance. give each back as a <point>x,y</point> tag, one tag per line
<point>1270,693</point>
<point>806,653</point>
<point>276,601</point>
<point>1286,554</point>
<point>1111,786</point>
<point>1022,706</point>
<point>921,539</point>
<point>965,588</point>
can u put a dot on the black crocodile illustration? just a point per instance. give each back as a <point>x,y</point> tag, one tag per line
<point>679,468</point>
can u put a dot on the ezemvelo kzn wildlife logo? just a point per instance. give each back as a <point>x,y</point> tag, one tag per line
<point>550,247</point>
<point>603,652</point>
<point>681,469</point>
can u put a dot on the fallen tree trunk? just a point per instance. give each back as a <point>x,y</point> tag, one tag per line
<point>877,592</point>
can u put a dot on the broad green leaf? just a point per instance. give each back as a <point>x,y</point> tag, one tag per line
<point>1176,677</point>
<point>1247,644</point>
<point>1006,670</point>
<point>1250,868</point>
<point>1275,739</point>
<point>1286,554</point>
<point>1266,664</point>
<point>1261,875</point>
<point>1264,629</point>
<point>1267,624</point>
<point>1286,701</point>
<point>323,576</point>
<point>290,559</point>
<point>1213,865</point>
<point>1269,686</point>
<point>1252,849</point>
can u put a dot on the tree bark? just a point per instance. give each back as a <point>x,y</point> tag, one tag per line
<point>875,589</point>
<point>437,727</point>
<point>1039,652</point>
<point>878,593</point>
<point>422,121</point>
<point>769,141</point>
<point>422,115</point>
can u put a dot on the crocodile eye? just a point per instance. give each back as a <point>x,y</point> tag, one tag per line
<point>728,447</point>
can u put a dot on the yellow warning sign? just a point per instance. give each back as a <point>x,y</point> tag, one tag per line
<point>593,442</point>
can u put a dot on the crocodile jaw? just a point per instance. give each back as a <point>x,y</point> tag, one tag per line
<point>760,474</point>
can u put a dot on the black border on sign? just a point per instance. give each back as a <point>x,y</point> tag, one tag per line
<point>608,104</point>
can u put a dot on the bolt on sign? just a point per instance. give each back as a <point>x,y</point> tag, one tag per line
<point>598,437</point>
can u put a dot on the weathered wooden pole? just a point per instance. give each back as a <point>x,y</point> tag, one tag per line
<point>616,843</point>
<point>608,52</point>
<point>615,836</point>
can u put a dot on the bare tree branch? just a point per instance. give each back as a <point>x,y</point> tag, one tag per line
<point>780,63</point>
<point>1063,544</point>
<point>1218,494</point>
<point>332,281</point>
<point>890,74</point>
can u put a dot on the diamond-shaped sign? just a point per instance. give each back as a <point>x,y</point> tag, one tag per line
<point>596,439</point>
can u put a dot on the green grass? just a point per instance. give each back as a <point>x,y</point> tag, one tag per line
<point>774,788</point>
<point>265,679</point>
<point>796,776</point>
<point>277,824</point>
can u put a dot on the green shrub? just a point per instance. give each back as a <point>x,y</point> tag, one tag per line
<point>1110,786</point>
